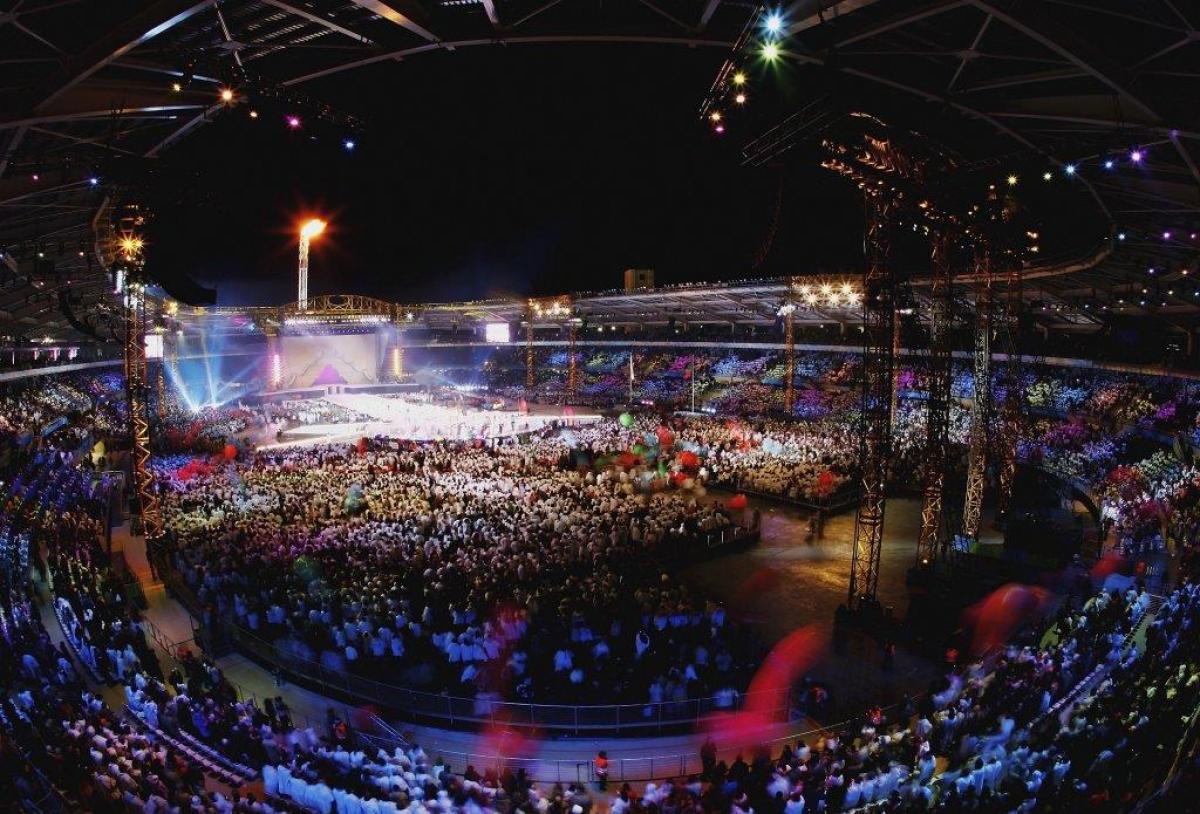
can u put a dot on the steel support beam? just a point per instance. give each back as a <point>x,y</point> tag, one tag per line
<point>530,372</point>
<point>390,12</point>
<point>572,362</point>
<point>1011,424</point>
<point>131,32</point>
<point>879,314</point>
<point>980,408</point>
<point>789,388</point>
<point>1028,18</point>
<point>137,392</point>
<point>937,421</point>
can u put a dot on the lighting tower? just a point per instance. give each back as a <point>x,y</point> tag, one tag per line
<point>879,314</point>
<point>788,312</point>
<point>937,421</point>
<point>131,261</point>
<point>309,230</point>
<point>981,407</point>
<point>573,326</point>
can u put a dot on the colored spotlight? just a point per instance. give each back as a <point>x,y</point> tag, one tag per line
<point>349,145</point>
<point>1136,156</point>
<point>293,122</point>
<point>226,95</point>
<point>740,98</point>
<point>1069,169</point>
<point>770,52</point>
<point>739,79</point>
<point>774,23</point>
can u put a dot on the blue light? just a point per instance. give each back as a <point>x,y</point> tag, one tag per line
<point>349,145</point>
<point>1070,169</point>
<point>94,181</point>
<point>774,23</point>
<point>1109,164</point>
<point>1120,236</point>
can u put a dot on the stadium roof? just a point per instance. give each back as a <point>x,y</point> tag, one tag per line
<point>92,91</point>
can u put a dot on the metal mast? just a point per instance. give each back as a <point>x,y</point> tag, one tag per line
<point>937,421</point>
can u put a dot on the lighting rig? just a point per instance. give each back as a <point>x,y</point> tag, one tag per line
<point>130,270</point>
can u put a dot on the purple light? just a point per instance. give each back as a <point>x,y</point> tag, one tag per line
<point>1166,235</point>
<point>293,122</point>
<point>1136,156</point>
<point>719,129</point>
<point>1109,164</point>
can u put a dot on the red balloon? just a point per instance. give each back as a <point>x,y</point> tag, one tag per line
<point>738,501</point>
<point>689,459</point>
<point>230,452</point>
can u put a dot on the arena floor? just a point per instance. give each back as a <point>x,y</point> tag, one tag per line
<point>785,583</point>
<point>421,421</point>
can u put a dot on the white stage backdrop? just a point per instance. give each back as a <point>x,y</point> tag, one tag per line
<point>310,361</point>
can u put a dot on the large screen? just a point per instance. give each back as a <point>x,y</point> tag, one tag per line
<point>497,332</point>
<point>154,346</point>
<point>321,361</point>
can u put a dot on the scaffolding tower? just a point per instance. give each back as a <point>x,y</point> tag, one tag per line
<point>137,392</point>
<point>981,406</point>
<point>931,538</point>
<point>879,315</point>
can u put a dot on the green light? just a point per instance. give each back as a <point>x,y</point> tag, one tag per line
<point>770,52</point>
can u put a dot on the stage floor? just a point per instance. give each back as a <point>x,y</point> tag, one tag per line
<point>419,421</point>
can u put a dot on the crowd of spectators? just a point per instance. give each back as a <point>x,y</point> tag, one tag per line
<point>436,563</point>
<point>1073,719</point>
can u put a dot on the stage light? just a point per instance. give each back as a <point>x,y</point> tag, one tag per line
<point>1120,235</point>
<point>719,129</point>
<point>1046,176</point>
<point>348,145</point>
<point>131,244</point>
<point>293,122</point>
<point>770,52</point>
<point>740,98</point>
<point>94,181</point>
<point>1070,169</point>
<point>36,177</point>
<point>1136,156</point>
<point>774,23</point>
<point>1012,180</point>
<point>176,87</point>
<point>739,79</point>
<point>1109,163</point>
<point>254,114</point>
<point>1166,235</point>
<point>226,95</point>
<point>715,116</point>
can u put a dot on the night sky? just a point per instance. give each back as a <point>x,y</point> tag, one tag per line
<point>494,171</point>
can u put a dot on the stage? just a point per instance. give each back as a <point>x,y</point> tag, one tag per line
<point>416,419</point>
